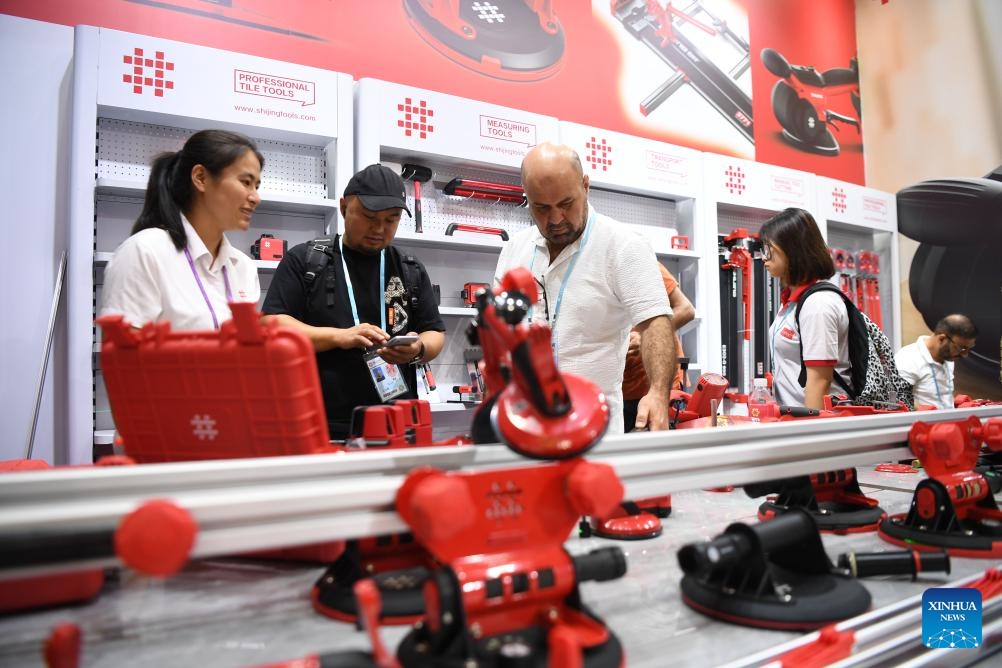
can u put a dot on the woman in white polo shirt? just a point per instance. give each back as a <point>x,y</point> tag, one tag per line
<point>796,254</point>
<point>178,265</point>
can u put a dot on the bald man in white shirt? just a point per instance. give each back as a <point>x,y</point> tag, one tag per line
<point>596,280</point>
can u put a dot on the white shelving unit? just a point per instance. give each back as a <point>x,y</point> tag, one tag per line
<point>454,137</point>
<point>136,96</point>
<point>652,188</point>
<point>744,194</point>
<point>866,219</point>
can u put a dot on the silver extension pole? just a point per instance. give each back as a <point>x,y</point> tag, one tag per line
<point>40,385</point>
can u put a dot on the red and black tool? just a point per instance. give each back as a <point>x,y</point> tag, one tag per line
<point>658,26</point>
<point>774,574</point>
<point>513,40</point>
<point>418,174</point>
<point>802,100</point>
<point>737,266</point>
<point>469,292</point>
<point>504,193</point>
<point>832,498</point>
<point>479,229</point>
<point>954,508</point>
<point>397,564</point>
<point>505,588</point>
<point>534,409</point>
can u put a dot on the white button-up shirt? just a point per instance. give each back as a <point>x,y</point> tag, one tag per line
<point>614,285</point>
<point>932,382</point>
<point>148,279</point>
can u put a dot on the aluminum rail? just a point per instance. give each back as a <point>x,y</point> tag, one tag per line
<point>253,504</point>
<point>891,635</point>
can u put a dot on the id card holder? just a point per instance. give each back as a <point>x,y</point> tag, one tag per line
<point>386,377</point>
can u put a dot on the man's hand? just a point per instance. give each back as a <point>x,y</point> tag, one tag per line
<point>652,413</point>
<point>657,346</point>
<point>360,336</point>
<point>401,354</point>
<point>634,347</point>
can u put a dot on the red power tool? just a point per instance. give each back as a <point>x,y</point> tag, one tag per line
<point>505,586</point>
<point>954,508</point>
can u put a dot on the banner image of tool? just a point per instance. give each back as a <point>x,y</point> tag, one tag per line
<point>768,80</point>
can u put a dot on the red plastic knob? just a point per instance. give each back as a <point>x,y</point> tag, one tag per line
<point>156,538</point>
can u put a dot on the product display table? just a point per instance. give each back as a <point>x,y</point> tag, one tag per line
<point>229,612</point>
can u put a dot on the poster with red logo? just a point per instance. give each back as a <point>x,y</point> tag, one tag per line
<point>769,80</point>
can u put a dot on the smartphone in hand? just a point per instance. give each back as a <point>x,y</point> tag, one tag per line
<point>401,341</point>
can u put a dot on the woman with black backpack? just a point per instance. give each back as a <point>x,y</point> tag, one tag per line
<point>795,253</point>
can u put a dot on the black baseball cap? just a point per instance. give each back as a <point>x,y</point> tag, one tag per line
<point>379,188</point>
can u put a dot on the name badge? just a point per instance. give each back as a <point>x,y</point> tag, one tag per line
<point>387,378</point>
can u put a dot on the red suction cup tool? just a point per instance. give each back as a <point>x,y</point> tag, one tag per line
<point>539,412</point>
<point>530,432</point>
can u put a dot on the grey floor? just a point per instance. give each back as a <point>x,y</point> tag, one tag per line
<point>238,613</point>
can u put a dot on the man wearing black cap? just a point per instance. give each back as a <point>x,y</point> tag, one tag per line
<point>351,293</point>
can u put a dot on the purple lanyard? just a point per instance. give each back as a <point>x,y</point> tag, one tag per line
<point>205,296</point>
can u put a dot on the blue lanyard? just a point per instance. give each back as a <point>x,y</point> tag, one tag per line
<point>589,224</point>
<point>205,295</point>
<point>935,383</point>
<point>351,290</point>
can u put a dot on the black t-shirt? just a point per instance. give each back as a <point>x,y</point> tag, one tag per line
<point>344,378</point>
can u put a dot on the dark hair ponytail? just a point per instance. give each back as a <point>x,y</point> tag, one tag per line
<point>169,191</point>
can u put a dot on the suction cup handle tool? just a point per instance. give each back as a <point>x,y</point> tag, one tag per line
<point>741,541</point>
<point>773,486</point>
<point>605,563</point>
<point>898,562</point>
<point>728,549</point>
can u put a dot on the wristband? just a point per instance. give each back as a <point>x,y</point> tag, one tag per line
<point>418,359</point>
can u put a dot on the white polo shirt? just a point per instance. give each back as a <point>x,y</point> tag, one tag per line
<point>932,382</point>
<point>824,329</point>
<point>148,279</point>
<point>612,283</point>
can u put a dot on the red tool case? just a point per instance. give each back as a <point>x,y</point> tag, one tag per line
<point>247,390</point>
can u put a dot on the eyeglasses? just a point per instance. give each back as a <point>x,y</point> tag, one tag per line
<point>767,250</point>
<point>963,350</point>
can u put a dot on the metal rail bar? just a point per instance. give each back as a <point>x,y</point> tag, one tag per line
<point>881,634</point>
<point>244,505</point>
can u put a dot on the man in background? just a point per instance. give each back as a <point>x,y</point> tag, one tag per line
<point>635,383</point>
<point>354,292</point>
<point>928,363</point>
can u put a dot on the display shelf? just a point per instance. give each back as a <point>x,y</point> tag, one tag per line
<point>452,137</point>
<point>270,200</point>
<point>460,241</point>
<point>446,407</point>
<point>689,326</point>
<point>104,436</point>
<point>102,258</point>
<point>744,194</point>
<point>654,189</point>
<point>117,128</point>
<point>865,219</point>
<point>458,311</point>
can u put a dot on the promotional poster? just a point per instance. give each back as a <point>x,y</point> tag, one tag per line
<point>774,81</point>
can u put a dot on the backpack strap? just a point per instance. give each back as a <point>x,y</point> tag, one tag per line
<point>820,286</point>
<point>411,270</point>
<point>320,252</point>
<point>318,256</point>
